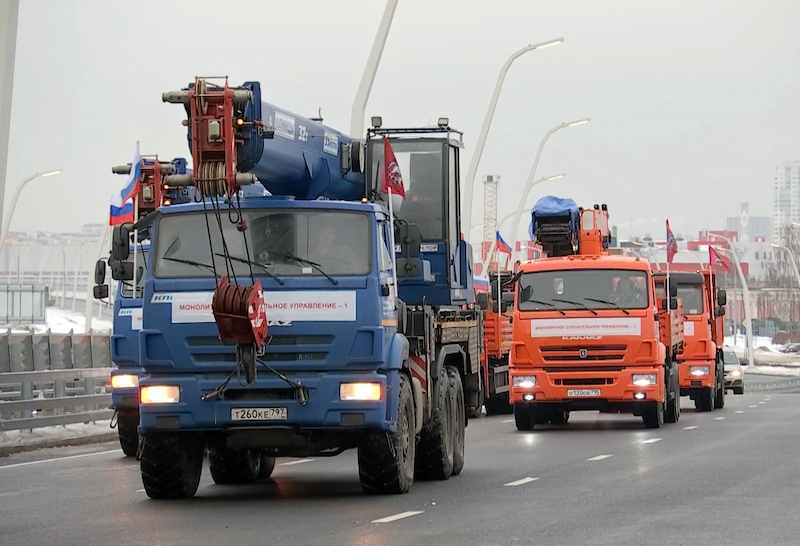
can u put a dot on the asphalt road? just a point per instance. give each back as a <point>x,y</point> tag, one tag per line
<point>725,477</point>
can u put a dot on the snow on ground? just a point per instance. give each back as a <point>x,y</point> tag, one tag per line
<point>61,321</point>
<point>49,435</point>
<point>765,353</point>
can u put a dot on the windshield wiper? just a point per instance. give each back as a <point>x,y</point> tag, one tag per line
<point>298,259</point>
<point>608,303</point>
<point>250,262</point>
<point>189,262</point>
<point>579,304</point>
<point>546,303</point>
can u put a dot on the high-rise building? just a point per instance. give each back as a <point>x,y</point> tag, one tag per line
<point>786,197</point>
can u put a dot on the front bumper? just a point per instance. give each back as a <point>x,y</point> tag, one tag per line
<point>323,410</point>
<point>580,388</point>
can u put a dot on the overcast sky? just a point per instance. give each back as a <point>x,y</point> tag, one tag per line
<point>693,103</point>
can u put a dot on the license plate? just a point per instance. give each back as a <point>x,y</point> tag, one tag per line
<point>258,414</point>
<point>583,392</point>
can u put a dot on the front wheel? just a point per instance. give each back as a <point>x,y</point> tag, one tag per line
<point>171,465</point>
<point>458,420</point>
<point>673,413</point>
<point>233,466</point>
<point>127,423</point>
<point>523,417</point>
<point>654,415</point>
<point>386,459</point>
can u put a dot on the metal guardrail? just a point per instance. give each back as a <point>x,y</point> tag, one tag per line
<point>53,379</point>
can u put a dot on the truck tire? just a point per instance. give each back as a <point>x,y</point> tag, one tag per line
<point>704,400</point>
<point>127,422</point>
<point>435,449</point>
<point>654,415</point>
<point>673,413</point>
<point>386,460</point>
<point>523,417</point>
<point>267,466</point>
<point>559,417</point>
<point>171,465</point>
<point>719,394</point>
<point>233,466</point>
<point>458,422</point>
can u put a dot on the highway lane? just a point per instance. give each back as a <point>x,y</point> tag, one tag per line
<point>726,477</point>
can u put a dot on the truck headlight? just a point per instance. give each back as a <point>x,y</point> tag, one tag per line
<point>159,394</point>
<point>124,381</point>
<point>525,381</point>
<point>644,379</point>
<point>370,392</point>
<point>698,370</point>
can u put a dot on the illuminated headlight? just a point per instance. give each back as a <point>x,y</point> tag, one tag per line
<point>125,381</point>
<point>699,370</point>
<point>159,394</point>
<point>644,379</point>
<point>736,373</point>
<point>370,392</point>
<point>525,381</point>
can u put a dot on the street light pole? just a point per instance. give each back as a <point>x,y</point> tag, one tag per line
<point>746,294</point>
<point>469,179</point>
<point>14,199</point>
<point>487,260</point>
<point>530,183</point>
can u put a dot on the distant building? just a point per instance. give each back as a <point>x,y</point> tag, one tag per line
<point>786,197</point>
<point>750,228</point>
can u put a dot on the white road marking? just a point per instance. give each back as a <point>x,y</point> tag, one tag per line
<point>690,428</point>
<point>508,421</point>
<point>761,403</point>
<point>652,440</point>
<point>718,418</point>
<point>738,411</point>
<point>61,458</point>
<point>140,491</point>
<point>599,457</point>
<point>401,515</point>
<point>753,406</point>
<point>523,481</point>
<point>298,461</point>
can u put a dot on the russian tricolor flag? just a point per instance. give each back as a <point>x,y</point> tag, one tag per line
<point>122,203</point>
<point>502,246</point>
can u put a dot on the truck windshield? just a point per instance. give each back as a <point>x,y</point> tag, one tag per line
<point>583,288</point>
<point>692,296</point>
<point>421,164</point>
<point>126,289</point>
<point>278,240</point>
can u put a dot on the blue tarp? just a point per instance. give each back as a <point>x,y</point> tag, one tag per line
<point>551,206</point>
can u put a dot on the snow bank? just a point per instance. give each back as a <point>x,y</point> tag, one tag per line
<point>61,321</point>
<point>47,436</point>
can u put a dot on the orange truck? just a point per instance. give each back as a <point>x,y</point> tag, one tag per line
<point>589,332</point>
<point>700,366</point>
<point>498,306</point>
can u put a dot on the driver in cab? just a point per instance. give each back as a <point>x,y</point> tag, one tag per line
<point>328,248</point>
<point>626,292</point>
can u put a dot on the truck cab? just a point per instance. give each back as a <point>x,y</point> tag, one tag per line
<point>585,327</point>
<point>700,362</point>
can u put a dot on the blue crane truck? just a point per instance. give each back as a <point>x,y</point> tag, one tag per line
<point>284,325</point>
<point>127,320</point>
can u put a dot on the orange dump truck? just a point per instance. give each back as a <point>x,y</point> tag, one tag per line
<point>589,332</point>
<point>701,372</point>
<point>498,306</point>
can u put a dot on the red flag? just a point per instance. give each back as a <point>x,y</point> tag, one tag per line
<point>672,245</point>
<point>718,261</point>
<point>391,172</point>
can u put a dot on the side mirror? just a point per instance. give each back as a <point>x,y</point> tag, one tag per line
<point>526,293</point>
<point>409,238</point>
<point>122,271</point>
<point>673,291</point>
<point>483,300</point>
<point>100,291</point>
<point>719,311</point>
<point>722,297</point>
<point>100,272</point>
<point>120,243</point>
<point>672,304</point>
